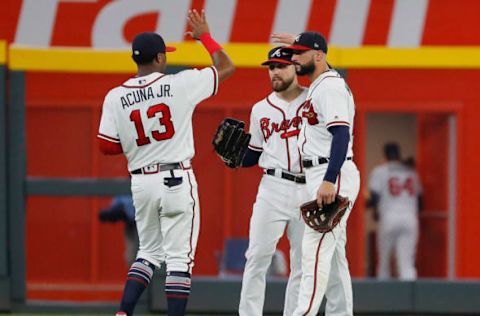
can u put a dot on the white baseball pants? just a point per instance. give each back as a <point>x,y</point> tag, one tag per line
<point>168,219</point>
<point>324,262</point>
<point>277,207</point>
<point>399,232</point>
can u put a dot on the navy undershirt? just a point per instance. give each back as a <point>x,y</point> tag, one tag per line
<point>251,158</point>
<point>338,151</point>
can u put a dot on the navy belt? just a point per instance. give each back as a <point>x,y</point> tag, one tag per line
<point>156,168</point>
<point>308,163</point>
<point>286,176</point>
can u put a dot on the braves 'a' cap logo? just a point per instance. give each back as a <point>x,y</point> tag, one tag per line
<point>277,53</point>
<point>297,39</point>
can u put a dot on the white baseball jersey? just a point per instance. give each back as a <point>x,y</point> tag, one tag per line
<point>324,263</point>
<point>151,116</point>
<point>275,125</point>
<point>329,103</point>
<point>398,187</point>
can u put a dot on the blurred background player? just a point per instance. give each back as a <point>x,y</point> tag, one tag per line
<point>122,209</point>
<point>395,194</point>
<point>149,119</point>
<point>275,125</point>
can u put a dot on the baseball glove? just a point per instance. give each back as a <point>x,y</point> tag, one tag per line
<point>324,219</point>
<point>231,141</point>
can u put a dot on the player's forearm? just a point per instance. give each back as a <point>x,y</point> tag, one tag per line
<point>338,151</point>
<point>223,64</point>
<point>420,203</point>
<point>221,61</point>
<point>373,200</point>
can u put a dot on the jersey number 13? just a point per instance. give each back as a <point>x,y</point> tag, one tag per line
<point>165,121</point>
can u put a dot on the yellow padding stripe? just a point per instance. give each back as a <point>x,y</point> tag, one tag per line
<point>3,52</point>
<point>423,57</point>
<point>69,60</point>
<point>90,60</point>
<point>243,55</point>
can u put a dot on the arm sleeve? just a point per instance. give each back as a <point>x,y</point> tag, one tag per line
<point>338,151</point>
<point>109,148</point>
<point>257,139</point>
<point>419,188</point>
<point>418,184</point>
<point>251,158</point>
<point>199,84</point>
<point>108,128</point>
<point>420,203</point>
<point>375,181</point>
<point>334,103</point>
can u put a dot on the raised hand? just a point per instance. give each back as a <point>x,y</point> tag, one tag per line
<point>283,38</point>
<point>198,23</point>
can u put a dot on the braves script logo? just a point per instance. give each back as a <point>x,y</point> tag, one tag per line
<point>309,113</point>
<point>268,128</point>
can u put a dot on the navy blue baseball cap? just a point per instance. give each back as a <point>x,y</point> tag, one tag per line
<point>279,55</point>
<point>308,41</point>
<point>146,46</point>
<point>391,150</point>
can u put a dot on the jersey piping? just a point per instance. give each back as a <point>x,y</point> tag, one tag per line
<point>286,138</point>
<point>109,138</point>
<point>146,85</point>
<point>215,81</point>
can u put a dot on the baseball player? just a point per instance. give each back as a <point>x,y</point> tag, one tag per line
<point>395,191</point>
<point>149,119</point>
<point>325,143</point>
<point>275,125</point>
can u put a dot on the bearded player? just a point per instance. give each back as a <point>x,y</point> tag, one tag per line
<point>326,146</point>
<point>275,124</point>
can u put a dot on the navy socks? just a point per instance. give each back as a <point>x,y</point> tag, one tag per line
<point>139,276</point>
<point>177,289</point>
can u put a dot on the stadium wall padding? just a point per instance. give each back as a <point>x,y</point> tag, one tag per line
<point>63,112</point>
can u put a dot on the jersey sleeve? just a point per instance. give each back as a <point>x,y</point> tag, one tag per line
<point>418,184</point>
<point>199,84</point>
<point>375,181</point>
<point>108,128</point>
<point>334,107</point>
<point>256,141</point>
